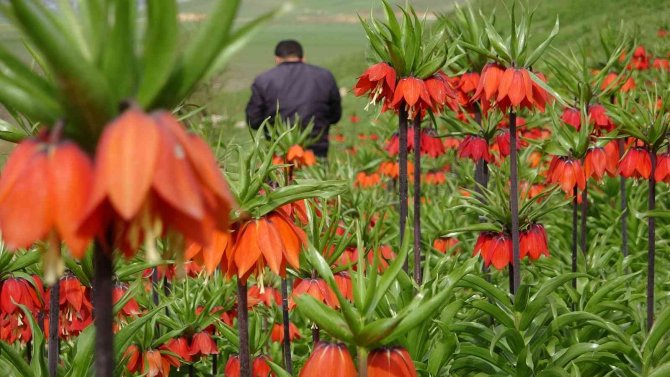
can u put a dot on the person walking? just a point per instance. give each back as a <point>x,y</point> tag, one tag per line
<point>296,90</point>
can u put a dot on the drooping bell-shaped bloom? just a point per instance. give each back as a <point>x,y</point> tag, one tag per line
<point>390,362</point>
<point>75,309</point>
<point>434,178</point>
<point>150,363</point>
<point>299,157</point>
<point>440,92</point>
<point>14,326</point>
<point>151,176</point>
<point>444,244</point>
<point>495,248</point>
<point>364,180</point>
<point>44,189</point>
<point>635,164</point>
<point>391,169</point>
<point>329,360</point>
<point>316,288</point>
<point>518,90</point>
<point>572,117</point>
<point>259,367</point>
<point>272,240</point>
<point>599,118</point>
<point>430,144</point>
<point>489,82</point>
<point>180,348</point>
<point>202,344</point>
<point>129,310</point>
<point>378,82</point>
<point>475,148</point>
<point>595,163</point>
<point>155,364</point>
<point>277,334</point>
<point>344,284</point>
<point>661,64</point>
<point>503,143</point>
<point>412,93</point>
<point>662,173</point>
<point>267,296</point>
<point>533,242</point>
<point>613,80</point>
<point>566,172</point>
<point>640,59</point>
<point>212,255</point>
<point>612,153</point>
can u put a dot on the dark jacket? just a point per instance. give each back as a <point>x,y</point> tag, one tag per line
<point>301,89</point>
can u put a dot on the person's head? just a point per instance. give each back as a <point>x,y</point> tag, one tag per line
<point>288,51</point>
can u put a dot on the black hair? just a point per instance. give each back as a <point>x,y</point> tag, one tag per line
<point>288,48</point>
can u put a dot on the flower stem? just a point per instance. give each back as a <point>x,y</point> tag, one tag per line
<point>362,362</point>
<point>417,201</point>
<point>514,204</point>
<point>403,176</point>
<point>574,233</point>
<point>243,328</point>
<point>102,299</point>
<point>54,326</point>
<point>651,257</point>
<point>585,208</point>
<point>288,364</point>
<point>215,364</point>
<point>624,205</point>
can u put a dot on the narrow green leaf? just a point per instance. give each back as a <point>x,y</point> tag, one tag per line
<point>160,42</point>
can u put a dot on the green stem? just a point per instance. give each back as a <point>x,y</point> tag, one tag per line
<point>362,362</point>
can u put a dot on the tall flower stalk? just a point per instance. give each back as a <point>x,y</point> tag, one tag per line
<point>508,84</point>
<point>647,121</point>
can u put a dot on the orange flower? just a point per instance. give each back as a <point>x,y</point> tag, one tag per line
<point>151,176</point>
<point>43,193</point>
<point>344,284</point>
<point>179,347</point>
<point>390,362</point>
<point>267,295</point>
<point>277,334</point>
<point>75,308</point>
<point>635,164</point>
<point>202,344</point>
<point>392,169</point>
<point>273,241</point>
<point>297,156</point>
<point>567,173</point>
<point>435,178</point>
<point>378,81</point>
<point>518,90</point>
<point>259,368</point>
<point>440,92</point>
<point>533,242</point>
<point>662,173</point>
<point>211,255</point>
<point>329,360</point>
<point>534,159</point>
<point>476,148</point>
<point>364,180</point>
<point>595,163</point>
<point>572,117</point>
<point>599,118</point>
<point>316,288</point>
<point>613,80</point>
<point>18,291</point>
<point>412,93</point>
<point>494,247</point>
<point>489,81</point>
<point>445,244</point>
<point>157,365</point>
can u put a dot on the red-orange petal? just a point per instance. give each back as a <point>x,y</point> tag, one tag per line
<point>126,160</point>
